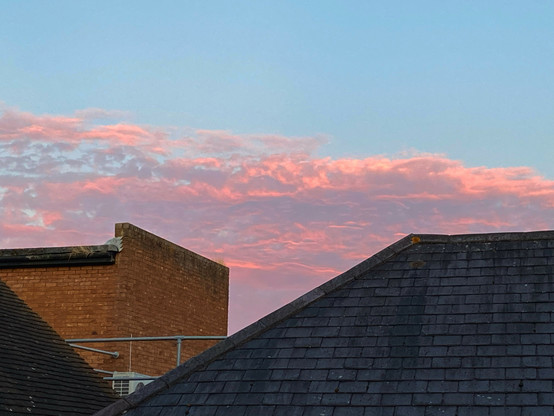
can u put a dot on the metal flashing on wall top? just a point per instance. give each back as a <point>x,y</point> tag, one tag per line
<point>58,256</point>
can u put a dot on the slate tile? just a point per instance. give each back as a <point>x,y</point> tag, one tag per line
<point>440,411</point>
<point>459,374</point>
<point>284,411</point>
<point>353,386</point>
<point>209,387</point>
<point>236,387</point>
<point>416,362</point>
<point>372,374</point>
<point>261,374</point>
<point>536,386</point>
<point>537,361</point>
<point>188,398</point>
<point>410,411</point>
<point>336,399</point>
<point>490,399</point>
<point>462,329</point>
<point>145,411</point>
<point>426,399</point>
<point>382,387</point>
<point>355,363</point>
<point>469,386</point>
<point>412,386</point>
<point>522,399</point>
<point>433,351</point>
<point>398,399</point>
<point>325,331</point>
<point>295,386</point>
<point>506,361</point>
<point>346,352</point>
<point>246,399</point>
<point>278,398</point>
<point>230,375</point>
<point>491,350</point>
<point>477,340</point>
<point>329,363</point>
<point>497,328</point>
<point>302,363</point>
<point>323,386</point>
<point>349,411</point>
<point>521,373</point>
<point>221,399</point>
<point>365,399</point>
<point>320,352</point>
<point>473,411</point>
<point>537,411</point>
<point>546,373</point>
<point>546,399</point>
<point>446,362</point>
<point>259,410</point>
<point>478,318</point>
<point>264,386</point>
<point>225,410</point>
<point>192,411</point>
<point>506,339</point>
<point>442,386</point>
<point>535,339</point>
<point>457,399</point>
<point>318,411</point>
<point>506,411</point>
<point>342,374</point>
<point>308,374</point>
<point>462,350</point>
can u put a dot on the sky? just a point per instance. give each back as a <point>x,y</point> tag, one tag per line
<point>288,139</point>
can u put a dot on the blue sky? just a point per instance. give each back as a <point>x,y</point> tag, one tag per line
<point>472,80</point>
<point>288,139</point>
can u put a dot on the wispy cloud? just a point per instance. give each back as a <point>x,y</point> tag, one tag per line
<point>282,218</point>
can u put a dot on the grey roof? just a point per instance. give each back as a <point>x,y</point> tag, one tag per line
<point>40,374</point>
<point>432,325</point>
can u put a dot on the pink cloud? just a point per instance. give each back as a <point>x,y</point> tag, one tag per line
<point>283,219</point>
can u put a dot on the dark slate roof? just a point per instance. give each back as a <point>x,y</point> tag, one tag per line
<point>432,325</point>
<point>40,374</point>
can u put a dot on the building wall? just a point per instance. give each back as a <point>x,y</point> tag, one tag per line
<point>78,302</point>
<point>155,288</point>
<point>164,289</point>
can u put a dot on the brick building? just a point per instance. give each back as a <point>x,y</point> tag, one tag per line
<point>136,285</point>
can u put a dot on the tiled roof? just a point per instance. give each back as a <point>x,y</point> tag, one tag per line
<point>432,325</point>
<point>40,374</point>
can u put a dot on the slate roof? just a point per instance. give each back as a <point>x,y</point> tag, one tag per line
<point>40,374</point>
<point>432,325</point>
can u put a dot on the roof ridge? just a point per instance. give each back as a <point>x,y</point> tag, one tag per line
<point>254,329</point>
<point>487,237</point>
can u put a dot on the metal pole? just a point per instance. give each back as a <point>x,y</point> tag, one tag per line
<point>178,352</point>
<point>114,354</point>
<point>166,338</point>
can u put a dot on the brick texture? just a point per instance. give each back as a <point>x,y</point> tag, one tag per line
<point>155,288</point>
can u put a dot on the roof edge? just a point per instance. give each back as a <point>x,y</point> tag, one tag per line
<point>252,330</point>
<point>487,237</point>
<point>58,256</point>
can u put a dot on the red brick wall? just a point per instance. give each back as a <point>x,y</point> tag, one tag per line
<point>78,302</point>
<point>164,289</point>
<point>155,288</point>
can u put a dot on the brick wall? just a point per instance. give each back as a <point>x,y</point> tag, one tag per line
<point>155,288</point>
